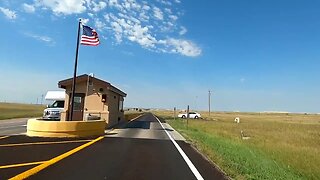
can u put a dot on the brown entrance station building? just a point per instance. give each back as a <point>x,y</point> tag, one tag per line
<point>94,99</point>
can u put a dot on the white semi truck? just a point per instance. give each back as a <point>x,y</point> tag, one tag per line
<point>53,111</point>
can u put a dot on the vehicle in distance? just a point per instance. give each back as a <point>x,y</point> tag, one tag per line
<point>193,115</point>
<point>53,111</point>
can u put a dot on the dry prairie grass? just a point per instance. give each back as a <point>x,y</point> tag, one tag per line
<point>291,140</point>
<point>15,110</point>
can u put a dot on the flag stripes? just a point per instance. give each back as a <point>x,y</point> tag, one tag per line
<point>89,37</point>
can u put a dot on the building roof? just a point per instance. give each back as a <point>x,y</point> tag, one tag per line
<point>84,77</point>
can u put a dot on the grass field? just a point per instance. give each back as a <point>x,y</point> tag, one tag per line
<point>13,110</point>
<point>281,146</point>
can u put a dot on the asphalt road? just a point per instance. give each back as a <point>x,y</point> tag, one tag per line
<point>139,150</point>
<point>13,126</point>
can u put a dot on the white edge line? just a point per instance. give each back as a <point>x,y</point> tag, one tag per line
<point>183,154</point>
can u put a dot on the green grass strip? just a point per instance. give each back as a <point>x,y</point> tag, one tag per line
<point>237,159</point>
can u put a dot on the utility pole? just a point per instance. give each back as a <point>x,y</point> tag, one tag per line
<point>187,116</point>
<point>196,104</point>
<point>174,113</point>
<point>209,96</point>
<point>41,98</point>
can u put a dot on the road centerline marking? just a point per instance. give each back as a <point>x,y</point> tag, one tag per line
<point>182,153</point>
<point>54,160</point>
<point>42,143</point>
<point>21,164</point>
<point>136,117</point>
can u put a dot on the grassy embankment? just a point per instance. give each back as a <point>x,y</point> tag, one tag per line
<point>14,110</point>
<point>281,146</point>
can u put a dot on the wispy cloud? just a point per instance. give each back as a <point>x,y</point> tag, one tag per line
<point>182,46</point>
<point>98,6</point>
<point>46,39</point>
<point>84,20</point>
<point>29,8</point>
<point>65,7</point>
<point>158,13</point>
<point>10,14</point>
<point>183,30</point>
<point>152,25</point>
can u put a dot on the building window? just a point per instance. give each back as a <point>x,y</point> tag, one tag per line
<point>121,105</point>
<point>77,103</point>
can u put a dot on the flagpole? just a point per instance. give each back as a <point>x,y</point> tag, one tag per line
<point>74,75</point>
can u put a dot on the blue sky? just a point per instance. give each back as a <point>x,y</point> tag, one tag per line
<point>254,55</point>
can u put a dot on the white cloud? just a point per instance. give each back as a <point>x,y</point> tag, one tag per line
<point>29,8</point>
<point>8,13</point>
<point>133,30</point>
<point>183,30</point>
<point>118,31</point>
<point>115,3</point>
<point>153,26</point>
<point>158,13</point>
<point>85,21</point>
<point>66,7</point>
<point>90,15</point>
<point>99,24</point>
<point>173,17</point>
<point>146,7</point>
<point>98,6</point>
<point>183,47</point>
<point>143,16</point>
<point>142,36</point>
<point>167,10</point>
<point>45,39</point>
<point>165,2</point>
<point>107,17</point>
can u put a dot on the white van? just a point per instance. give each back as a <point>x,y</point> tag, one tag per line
<point>53,111</point>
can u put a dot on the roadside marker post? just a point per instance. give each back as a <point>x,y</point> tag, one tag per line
<point>174,113</point>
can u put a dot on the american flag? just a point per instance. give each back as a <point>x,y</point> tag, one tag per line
<point>89,36</point>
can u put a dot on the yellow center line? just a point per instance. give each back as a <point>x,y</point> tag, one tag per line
<point>3,137</point>
<point>46,164</point>
<point>22,164</point>
<point>137,117</point>
<point>41,143</point>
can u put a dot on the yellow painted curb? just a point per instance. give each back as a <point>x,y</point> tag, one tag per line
<point>65,128</point>
<point>37,169</point>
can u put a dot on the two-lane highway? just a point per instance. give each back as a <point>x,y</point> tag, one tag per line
<point>13,126</point>
<point>140,150</point>
<point>145,148</point>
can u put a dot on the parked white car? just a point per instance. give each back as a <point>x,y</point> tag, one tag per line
<point>193,115</point>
